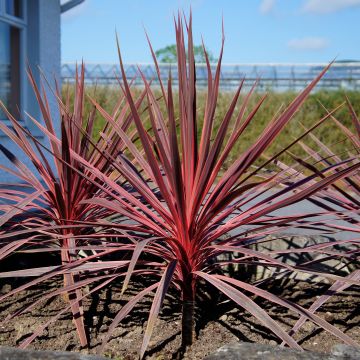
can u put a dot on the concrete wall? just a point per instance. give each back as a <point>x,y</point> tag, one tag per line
<point>42,48</point>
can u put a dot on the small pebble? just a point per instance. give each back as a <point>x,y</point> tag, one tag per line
<point>273,343</point>
<point>329,317</point>
<point>223,317</point>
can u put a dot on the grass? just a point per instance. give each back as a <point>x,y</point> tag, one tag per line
<point>311,111</point>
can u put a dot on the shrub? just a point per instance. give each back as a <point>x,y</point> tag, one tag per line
<point>54,216</point>
<point>179,211</point>
<point>339,200</point>
<point>197,205</point>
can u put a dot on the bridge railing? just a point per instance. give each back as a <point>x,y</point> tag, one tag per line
<point>274,76</point>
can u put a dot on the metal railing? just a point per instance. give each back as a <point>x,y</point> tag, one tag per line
<point>271,76</point>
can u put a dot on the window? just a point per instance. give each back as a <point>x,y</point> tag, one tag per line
<point>13,8</point>
<point>12,28</point>
<point>9,67</point>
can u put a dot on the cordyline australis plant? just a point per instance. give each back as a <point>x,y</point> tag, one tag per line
<point>341,198</point>
<point>184,225</point>
<point>52,215</point>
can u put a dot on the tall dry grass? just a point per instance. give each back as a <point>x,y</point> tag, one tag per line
<point>311,111</point>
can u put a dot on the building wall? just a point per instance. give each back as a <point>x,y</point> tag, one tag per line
<point>42,49</point>
<point>50,44</point>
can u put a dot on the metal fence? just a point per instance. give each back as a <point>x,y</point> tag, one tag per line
<point>277,77</point>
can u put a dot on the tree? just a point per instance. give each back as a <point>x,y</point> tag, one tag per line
<point>168,54</point>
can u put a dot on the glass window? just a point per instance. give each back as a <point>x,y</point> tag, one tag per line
<point>13,8</point>
<point>9,68</point>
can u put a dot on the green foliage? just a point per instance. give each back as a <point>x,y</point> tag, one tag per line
<point>168,54</point>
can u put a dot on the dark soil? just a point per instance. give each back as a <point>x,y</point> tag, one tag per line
<point>217,324</point>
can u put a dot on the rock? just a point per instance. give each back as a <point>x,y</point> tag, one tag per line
<point>347,352</point>
<point>95,320</point>
<point>273,343</point>
<point>252,351</point>
<point>223,317</point>
<point>7,353</point>
<point>329,317</point>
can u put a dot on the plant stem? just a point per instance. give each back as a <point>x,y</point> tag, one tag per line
<point>188,323</point>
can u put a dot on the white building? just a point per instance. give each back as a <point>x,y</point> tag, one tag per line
<point>29,33</point>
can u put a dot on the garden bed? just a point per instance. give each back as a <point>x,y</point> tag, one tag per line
<point>218,324</point>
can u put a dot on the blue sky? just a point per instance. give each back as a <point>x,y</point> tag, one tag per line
<point>255,30</point>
